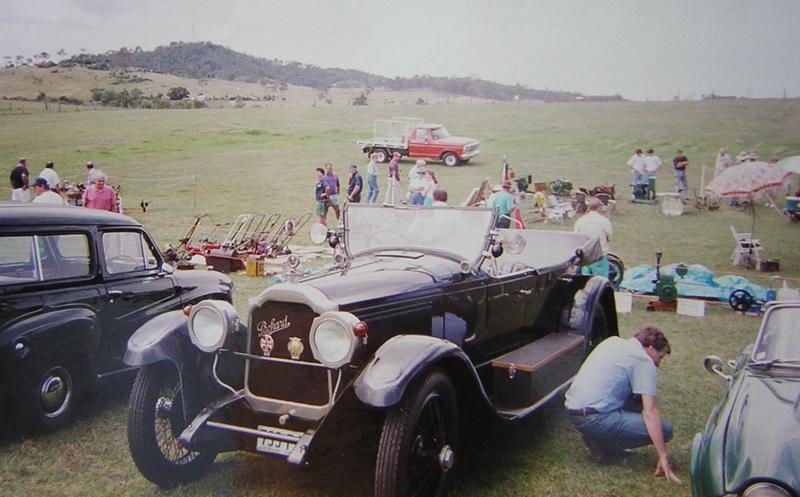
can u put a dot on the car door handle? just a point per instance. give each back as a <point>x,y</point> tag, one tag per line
<point>525,291</point>
<point>115,293</point>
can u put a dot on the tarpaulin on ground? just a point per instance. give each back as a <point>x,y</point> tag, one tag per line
<point>698,282</point>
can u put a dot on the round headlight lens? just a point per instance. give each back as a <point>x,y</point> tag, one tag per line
<point>209,324</point>
<point>765,490</point>
<point>332,339</point>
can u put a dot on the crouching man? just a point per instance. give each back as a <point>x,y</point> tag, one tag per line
<point>612,401</point>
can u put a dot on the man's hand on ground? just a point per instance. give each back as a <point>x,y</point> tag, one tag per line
<point>664,469</point>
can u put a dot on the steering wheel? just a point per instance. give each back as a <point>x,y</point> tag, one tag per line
<point>740,300</point>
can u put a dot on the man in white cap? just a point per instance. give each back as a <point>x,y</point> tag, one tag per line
<point>92,173</point>
<point>19,182</point>
<point>596,226</point>
<point>723,162</point>
<point>418,186</point>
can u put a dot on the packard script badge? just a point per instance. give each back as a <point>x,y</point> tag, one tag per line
<point>265,331</point>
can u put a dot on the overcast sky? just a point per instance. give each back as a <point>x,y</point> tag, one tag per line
<point>641,49</point>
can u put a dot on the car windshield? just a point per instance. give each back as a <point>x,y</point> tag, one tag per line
<point>779,339</point>
<point>440,132</point>
<point>461,231</point>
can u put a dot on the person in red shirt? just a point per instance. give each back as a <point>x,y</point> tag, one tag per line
<point>100,196</point>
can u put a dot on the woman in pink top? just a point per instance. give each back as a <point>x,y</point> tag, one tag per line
<point>100,196</point>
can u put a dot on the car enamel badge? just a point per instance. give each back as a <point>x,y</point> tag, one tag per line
<point>265,331</point>
<point>295,347</point>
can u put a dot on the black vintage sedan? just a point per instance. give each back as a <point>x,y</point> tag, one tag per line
<point>74,285</point>
<point>750,446</point>
<point>425,310</point>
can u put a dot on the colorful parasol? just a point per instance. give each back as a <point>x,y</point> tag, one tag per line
<point>747,179</point>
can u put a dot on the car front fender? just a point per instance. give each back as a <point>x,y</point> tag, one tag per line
<point>158,340</point>
<point>398,362</point>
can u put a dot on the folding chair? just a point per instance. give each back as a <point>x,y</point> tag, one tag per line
<point>748,250</point>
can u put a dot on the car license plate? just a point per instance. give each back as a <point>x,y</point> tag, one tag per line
<point>272,446</point>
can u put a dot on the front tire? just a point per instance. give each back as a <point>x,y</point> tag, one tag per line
<point>418,443</point>
<point>450,159</point>
<point>155,421</point>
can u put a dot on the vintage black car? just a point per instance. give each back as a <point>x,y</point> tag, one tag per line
<point>425,310</point>
<point>74,285</point>
<point>750,446</point>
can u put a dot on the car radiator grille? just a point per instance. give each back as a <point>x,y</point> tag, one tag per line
<point>471,148</point>
<point>274,324</point>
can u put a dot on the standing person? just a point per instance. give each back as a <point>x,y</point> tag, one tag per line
<point>49,174</point>
<point>372,179</point>
<point>503,202</point>
<point>603,401</point>
<point>91,173</point>
<point>19,182</point>
<point>636,163</point>
<point>100,196</point>
<point>680,163</point>
<point>44,195</point>
<point>412,173</point>
<point>433,184</point>
<point>393,189</point>
<point>652,163</point>
<point>418,186</point>
<point>596,226</point>
<point>320,197</point>
<point>332,189</point>
<point>354,185</point>
<point>723,162</point>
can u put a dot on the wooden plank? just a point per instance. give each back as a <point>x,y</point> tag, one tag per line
<point>539,352</point>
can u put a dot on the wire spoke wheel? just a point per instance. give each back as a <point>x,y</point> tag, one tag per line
<point>156,419</point>
<point>418,443</point>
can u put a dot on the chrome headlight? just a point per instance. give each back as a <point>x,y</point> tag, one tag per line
<point>210,321</point>
<point>334,338</point>
<point>764,489</point>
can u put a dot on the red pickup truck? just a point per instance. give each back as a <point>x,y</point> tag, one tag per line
<point>414,138</point>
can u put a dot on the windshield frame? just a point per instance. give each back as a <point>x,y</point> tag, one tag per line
<point>758,344</point>
<point>474,263</point>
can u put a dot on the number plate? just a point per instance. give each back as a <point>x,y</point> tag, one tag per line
<point>276,446</point>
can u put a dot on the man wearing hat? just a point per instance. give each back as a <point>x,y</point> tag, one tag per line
<point>723,162</point>
<point>44,195</point>
<point>19,182</point>
<point>419,186</point>
<point>92,173</point>
<point>393,189</point>
<point>503,203</point>
<point>596,226</point>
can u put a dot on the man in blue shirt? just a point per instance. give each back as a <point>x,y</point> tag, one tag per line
<point>602,401</point>
<point>503,202</point>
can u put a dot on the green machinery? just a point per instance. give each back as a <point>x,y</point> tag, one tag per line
<point>645,193</point>
<point>665,287</point>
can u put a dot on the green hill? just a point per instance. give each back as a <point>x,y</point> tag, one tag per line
<point>207,60</point>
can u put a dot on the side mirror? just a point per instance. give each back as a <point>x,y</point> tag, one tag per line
<point>714,364</point>
<point>167,268</point>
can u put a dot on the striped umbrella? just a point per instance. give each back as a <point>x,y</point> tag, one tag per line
<point>747,179</point>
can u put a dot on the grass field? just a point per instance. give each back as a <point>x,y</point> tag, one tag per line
<point>227,161</point>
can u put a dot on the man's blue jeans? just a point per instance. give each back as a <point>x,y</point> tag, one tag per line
<point>372,182</point>
<point>618,430</point>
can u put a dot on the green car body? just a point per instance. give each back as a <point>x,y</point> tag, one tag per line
<point>751,443</point>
